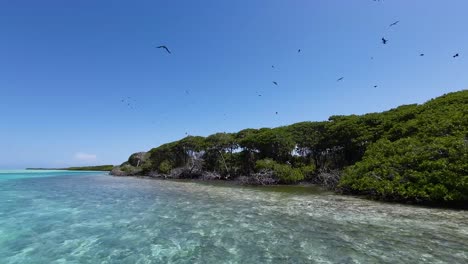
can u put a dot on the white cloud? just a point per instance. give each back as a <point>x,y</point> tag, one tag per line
<point>81,156</point>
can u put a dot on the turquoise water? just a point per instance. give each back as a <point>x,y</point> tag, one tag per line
<point>21,174</point>
<point>87,217</point>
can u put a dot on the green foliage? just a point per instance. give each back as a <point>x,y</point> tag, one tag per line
<point>413,152</point>
<point>221,141</point>
<point>129,169</point>
<point>137,159</point>
<point>308,171</point>
<point>285,173</point>
<point>265,164</point>
<point>165,167</point>
<point>434,170</point>
<point>92,168</point>
<point>308,136</point>
<point>219,154</point>
<point>271,143</point>
<point>191,143</point>
<point>171,152</point>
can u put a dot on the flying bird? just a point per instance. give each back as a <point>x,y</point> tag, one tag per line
<point>384,41</point>
<point>276,112</point>
<point>273,66</point>
<point>299,50</point>
<point>394,23</point>
<point>275,83</point>
<point>422,54</point>
<point>456,55</point>
<point>164,47</point>
<point>340,79</point>
<point>375,86</point>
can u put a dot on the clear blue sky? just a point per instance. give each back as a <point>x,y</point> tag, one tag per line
<point>66,65</point>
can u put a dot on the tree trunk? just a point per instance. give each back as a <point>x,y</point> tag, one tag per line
<point>224,161</point>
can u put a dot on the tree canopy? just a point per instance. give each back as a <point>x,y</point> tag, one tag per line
<point>409,153</point>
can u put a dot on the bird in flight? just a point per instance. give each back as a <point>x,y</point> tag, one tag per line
<point>422,54</point>
<point>273,66</point>
<point>164,47</point>
<point>340,79</point>
<point>276,112</point>
<point>275,83</point>
<point>127,102</point>
<point>384,41</point>
<point>299,50</point>
<point>456,55</point>
<point>375,86</point>
<point>394,23</point>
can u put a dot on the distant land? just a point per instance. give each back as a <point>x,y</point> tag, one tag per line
<point>87,168</point>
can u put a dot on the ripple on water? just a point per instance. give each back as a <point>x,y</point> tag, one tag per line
<point>101,219</point>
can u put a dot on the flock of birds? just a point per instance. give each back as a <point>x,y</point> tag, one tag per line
<point>129,101</point>
<point>384,42</point>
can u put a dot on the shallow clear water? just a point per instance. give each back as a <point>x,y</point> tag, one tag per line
<point>84,217</point>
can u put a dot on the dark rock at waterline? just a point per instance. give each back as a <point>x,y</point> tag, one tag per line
<point>264,177</point>
<point>116,171</point>
<point>177,173</point>
<point>187,173</point>
<point>125,170</point>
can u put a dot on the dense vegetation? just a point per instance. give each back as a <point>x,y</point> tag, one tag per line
<point>92,168</point>
<point>410,153</point>
<point>87,168</point>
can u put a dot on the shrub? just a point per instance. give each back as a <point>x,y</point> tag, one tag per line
<point>308,171</point>
<point>285,173</point>
<point>137,159</point>
<point>165,167</point>
<point>431,170</point>
<point>265,164</point>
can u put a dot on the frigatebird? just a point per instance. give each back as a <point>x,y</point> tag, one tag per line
<point>394,23</point>
<point>164,47</point>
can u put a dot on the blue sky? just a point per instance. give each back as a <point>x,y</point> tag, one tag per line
<point>65,66</point>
